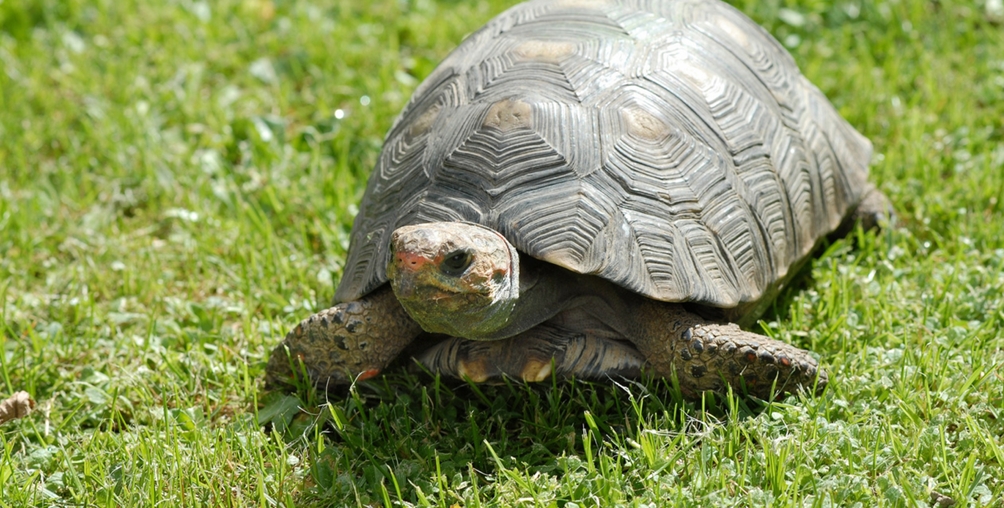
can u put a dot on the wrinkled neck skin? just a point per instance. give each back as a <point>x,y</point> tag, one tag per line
<point>547,290</point>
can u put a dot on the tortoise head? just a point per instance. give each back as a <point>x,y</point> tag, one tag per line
<point>457,278</point>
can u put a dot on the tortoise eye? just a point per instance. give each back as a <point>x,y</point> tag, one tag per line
<point>456,263</point>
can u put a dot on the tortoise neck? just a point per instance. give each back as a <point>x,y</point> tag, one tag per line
<point>549,290</point>
<point>544,291</point>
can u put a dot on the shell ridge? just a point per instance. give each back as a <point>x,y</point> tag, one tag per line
<point>716,178</point>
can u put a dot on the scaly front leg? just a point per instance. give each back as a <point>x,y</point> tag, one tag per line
<point>350,341</point>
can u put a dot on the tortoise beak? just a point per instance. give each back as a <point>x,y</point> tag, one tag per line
<point>404,287</point>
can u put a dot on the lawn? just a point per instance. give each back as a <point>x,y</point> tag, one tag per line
<point>177,183</point>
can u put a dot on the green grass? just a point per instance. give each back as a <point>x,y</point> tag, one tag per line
<point>177,181</point>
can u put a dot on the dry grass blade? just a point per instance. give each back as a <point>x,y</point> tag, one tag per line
<point>16,406</point>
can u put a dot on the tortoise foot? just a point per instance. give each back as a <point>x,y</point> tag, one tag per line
<point>710,357</point>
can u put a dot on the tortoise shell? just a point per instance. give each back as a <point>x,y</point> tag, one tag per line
<point>671,147</point>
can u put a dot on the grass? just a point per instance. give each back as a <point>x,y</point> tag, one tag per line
<point>177,180</point>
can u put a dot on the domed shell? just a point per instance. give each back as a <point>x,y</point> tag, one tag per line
<point>671,147</point>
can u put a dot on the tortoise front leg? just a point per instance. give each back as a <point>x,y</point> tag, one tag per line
<point>350,341</point>
<point>708,356</point>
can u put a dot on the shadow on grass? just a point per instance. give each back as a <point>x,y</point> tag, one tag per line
<point>406,435</point>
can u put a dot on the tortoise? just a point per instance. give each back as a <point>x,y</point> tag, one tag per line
<point>594,188</point>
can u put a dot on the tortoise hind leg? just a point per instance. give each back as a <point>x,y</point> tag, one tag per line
<point>874,210</point>
<point>708,356</point>
<point>350,341</point>
<point>535,355</point>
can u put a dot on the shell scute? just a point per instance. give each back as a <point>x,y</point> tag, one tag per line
<point>671,147</point>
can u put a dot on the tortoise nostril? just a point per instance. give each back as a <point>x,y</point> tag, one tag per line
<point>410,261</point>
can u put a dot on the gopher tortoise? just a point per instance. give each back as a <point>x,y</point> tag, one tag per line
<point>594,188</point>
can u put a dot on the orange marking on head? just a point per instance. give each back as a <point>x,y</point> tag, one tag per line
<point>411,261</point>
<point>368,374</point>
<point>500,274</point>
